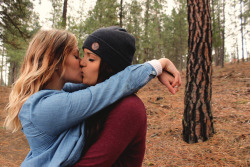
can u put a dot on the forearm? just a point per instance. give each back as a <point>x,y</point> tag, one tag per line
<point>72,87</point>
<point>75,107</point>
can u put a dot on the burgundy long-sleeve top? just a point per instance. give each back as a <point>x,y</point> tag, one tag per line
<point>122,141</point>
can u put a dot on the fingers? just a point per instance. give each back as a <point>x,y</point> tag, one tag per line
<point>170,77</point>
<point>167,80</point>
<point>177,80</point>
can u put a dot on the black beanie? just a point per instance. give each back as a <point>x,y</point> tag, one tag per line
<point>114,45</point>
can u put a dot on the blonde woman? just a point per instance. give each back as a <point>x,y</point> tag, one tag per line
<point>53,119</point>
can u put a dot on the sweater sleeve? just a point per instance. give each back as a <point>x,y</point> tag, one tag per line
<point>63,110</point>
<point>72,87</point>
<point>122,141</point>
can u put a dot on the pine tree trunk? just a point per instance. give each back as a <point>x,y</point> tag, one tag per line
<point>216,56</point>
<point>223,37</point>
<point>216,60</point>
<point>246,49</point>
<point>146,31</point>
<point>238,56</point>
<point>2,69</point>
<point>121,13</point>
<point>198,119</point>
<point>64,16</point>
<point>13,72</point>
<point>241,29</point>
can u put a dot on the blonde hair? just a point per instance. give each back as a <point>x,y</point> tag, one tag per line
<point>46,52</point>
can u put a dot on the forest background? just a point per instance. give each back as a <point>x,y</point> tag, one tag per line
<point>159,33</point>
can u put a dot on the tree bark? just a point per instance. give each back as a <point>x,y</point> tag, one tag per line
<point>13,73</point>
<point>121,13</point>
<point>64,16</point>
<point>198,119</point>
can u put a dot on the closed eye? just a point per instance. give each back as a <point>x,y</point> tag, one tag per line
<point>91,60</point>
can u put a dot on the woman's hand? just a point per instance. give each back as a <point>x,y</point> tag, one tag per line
<point>172,82</point>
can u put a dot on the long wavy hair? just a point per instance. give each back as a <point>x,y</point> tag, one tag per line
<point>47,52</point>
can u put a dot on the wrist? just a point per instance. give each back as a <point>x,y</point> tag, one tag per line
<point>164,63</point>
<point>157,65</point>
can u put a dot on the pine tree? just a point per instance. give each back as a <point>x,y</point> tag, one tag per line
<point>242,30</point>
<point>175,34</point>
<point>121,13</point>
<point>57,19</point>
<point>133,23</point>
<point>76,24</point>
<point>198,119</point>
<point>180,33</point>
<point>105,13</point>
<point>217,31</point>
<point>64,14</point>
<point>18,23</point>
<point>153,21</point>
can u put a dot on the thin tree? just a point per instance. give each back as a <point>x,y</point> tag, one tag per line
<point>237,48</point>
<point>241,30</point>
<point>64,15</point>
<point>2,67</point>
<point>217,31</point>
<point>17,23</point>
<point>104,14</point>
<point>223,35</point>
<point>133,22</point>
<point>198,119</point>
<point>121,13</point>
<point>56,13</point>
<point>146,31</point>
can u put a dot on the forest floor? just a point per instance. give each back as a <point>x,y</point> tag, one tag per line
<point>229,146</point>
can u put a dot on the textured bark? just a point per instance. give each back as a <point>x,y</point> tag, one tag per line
<point>198,119</point>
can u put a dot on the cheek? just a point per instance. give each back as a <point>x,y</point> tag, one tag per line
<point>96,74</point>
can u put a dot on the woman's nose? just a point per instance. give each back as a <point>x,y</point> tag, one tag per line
<point>82,63</point>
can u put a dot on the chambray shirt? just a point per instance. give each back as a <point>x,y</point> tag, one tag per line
<point>53,120</point>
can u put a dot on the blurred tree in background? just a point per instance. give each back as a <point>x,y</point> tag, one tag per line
<point>18,23</point>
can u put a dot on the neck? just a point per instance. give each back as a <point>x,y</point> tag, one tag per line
<point>55,82</point>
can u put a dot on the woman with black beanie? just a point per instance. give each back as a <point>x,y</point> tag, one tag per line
<point>115,136</point>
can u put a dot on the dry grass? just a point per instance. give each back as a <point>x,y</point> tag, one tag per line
<point>230,145</point>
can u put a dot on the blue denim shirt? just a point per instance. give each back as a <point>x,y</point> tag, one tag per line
<point>53,120</point>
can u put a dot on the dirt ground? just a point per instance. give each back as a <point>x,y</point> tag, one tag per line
<point>230,145</point>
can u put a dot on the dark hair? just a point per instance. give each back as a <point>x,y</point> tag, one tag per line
<point>105,71</point>
<point>94,124</point>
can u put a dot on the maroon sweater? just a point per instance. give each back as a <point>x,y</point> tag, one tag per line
<point>122,141</point>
